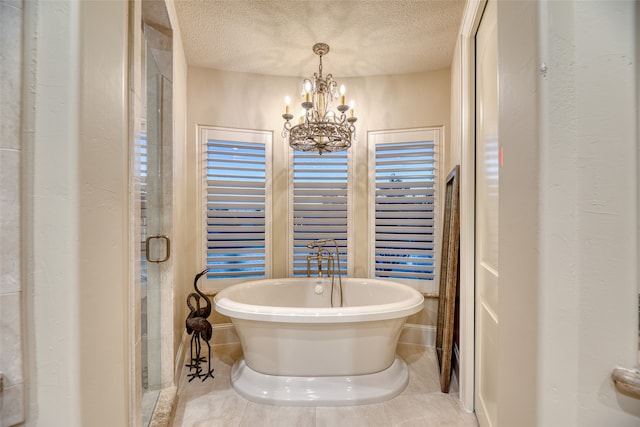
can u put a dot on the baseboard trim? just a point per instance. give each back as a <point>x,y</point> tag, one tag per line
<point>224,333</point>
<point>180,357</point>
<point>418,334</point>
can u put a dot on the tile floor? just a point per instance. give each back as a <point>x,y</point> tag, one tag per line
<point>215,403</point>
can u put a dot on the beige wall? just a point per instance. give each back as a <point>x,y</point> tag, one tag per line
<point>11,214</point>
<point>78,313</point>
<point>455,134</point>
<point>234,100</point>
<point>253,101</point>
<point>76,243</point>
<point>568,209</point>
<point>588,207</point>
<point>570,276</point>
<point>520,283</point>
<point>570,170</point>
<point>77,306</point>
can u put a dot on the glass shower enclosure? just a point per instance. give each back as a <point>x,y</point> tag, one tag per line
<point>151,198</point>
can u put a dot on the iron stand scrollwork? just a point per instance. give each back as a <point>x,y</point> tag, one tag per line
<point>199,328</point>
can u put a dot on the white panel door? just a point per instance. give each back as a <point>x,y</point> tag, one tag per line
<point>487,194</point>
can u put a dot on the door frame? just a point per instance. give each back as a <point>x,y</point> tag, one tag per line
<point>468,28</point>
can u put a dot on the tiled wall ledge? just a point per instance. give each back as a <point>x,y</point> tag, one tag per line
<point>627,381</point>
<point>163,412</point>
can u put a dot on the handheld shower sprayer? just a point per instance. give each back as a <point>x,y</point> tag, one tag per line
<point>319,243</point>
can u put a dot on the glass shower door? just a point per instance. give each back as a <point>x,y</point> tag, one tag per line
<point>155,226</point>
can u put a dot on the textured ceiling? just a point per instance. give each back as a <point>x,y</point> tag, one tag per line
<point>367,38</point>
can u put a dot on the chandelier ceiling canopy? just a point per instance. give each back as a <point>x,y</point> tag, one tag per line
<point>320,129</point>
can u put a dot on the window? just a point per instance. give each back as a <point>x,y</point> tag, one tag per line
<point>404,185</point>
<point>320,206</point>
<point>237,206</point>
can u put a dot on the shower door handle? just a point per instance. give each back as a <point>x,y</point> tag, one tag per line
<point>147,246</point>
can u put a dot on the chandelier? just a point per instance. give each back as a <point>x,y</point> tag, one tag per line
<point>320,129</point>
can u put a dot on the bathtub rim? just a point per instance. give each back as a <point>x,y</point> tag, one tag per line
<point>364,313</point>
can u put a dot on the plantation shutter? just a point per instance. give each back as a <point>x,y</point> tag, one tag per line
<point>320,206</point>
<point>236,208</point>
<point>406,177</point>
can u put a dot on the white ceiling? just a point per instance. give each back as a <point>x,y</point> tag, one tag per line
<point>374,37</point>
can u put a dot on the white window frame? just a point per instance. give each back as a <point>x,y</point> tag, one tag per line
<point>435,134</point>
<point>350,212</point>
<point>240,135</point>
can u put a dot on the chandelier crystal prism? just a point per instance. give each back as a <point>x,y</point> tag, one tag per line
<point>320,129</point>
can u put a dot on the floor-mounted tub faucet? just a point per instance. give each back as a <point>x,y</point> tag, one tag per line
<point>323,254</point>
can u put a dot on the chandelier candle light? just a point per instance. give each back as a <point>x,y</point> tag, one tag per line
<point>320,129</point>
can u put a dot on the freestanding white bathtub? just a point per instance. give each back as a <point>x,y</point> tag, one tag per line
<point>298,350</point>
